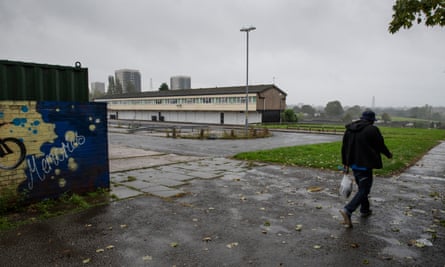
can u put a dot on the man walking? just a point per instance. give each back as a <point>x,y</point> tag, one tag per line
<point>361,148</point>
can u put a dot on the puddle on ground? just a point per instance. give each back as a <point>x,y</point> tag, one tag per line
<point>400,252</point>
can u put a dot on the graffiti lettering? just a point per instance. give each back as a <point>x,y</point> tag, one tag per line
<point>41,166</point>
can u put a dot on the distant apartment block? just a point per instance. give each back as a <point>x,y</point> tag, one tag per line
<point>98,87</point>
<point>180,82</point>
<point>129,79</point>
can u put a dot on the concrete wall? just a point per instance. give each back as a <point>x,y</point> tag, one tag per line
<point>66,147</point>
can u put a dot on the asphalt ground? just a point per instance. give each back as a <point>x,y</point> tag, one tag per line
<point>198,209</point>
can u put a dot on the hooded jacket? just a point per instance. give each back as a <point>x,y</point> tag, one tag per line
<point>362,145</point>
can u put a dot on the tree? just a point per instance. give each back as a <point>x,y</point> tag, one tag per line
<point>308,109</point>
<point>431,12</point>
<point>386,118</point>
<point>436,116</point>
<point>347,118</point>
<point>421,112</point>
<point>354,111</point>
<point>334,109</point>
<point>289,116</point>
<point>163,87</point>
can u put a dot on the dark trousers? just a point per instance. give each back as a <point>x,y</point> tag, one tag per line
<point>364,182</point>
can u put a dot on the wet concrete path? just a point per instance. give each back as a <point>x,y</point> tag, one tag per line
<point>202,210</point>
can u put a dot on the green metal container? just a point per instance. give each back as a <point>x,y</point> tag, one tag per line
<point>42,82</point>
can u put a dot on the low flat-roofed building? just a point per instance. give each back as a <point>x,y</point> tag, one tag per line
<point>219,105</point>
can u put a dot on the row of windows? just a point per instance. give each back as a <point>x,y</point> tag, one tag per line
<point>195,100</point>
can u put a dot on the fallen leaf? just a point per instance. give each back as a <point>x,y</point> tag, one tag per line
<point>262,208</point>
<point>298,227</point>
<point>174,244</point>
<point>317,246</point>
<point>110,247</point>
<point>85,261</point>
<point>232,245</point>
<point>314,189</point>
<point>266,223</point>
<point>147,258</point>
<point>124,226</point>
<point>207,239</point>
<point>420,245</point>
<point>100,250</point>
<point>354,245</point>
<point>318,207</point>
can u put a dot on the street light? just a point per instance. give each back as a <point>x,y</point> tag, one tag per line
<point>247,30</point>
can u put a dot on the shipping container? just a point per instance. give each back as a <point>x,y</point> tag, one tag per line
<point>43,82</point>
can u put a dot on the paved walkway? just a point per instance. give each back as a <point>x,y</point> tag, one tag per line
<point>214,211</point>
<point>137,171</point>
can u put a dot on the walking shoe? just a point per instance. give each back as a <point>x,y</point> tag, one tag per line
<point>346,218</point>
<point>366,214</point>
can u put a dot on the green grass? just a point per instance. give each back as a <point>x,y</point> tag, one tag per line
<point>407,146</point>
<point>306,127</point>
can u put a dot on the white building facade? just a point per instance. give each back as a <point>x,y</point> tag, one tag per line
<point>223,105</point>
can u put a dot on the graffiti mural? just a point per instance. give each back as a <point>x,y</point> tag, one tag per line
<point>48,148</point>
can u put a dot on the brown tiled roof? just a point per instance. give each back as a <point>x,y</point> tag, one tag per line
<point>198,91</point>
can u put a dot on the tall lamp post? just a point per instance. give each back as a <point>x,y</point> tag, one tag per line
<point>247,30</point>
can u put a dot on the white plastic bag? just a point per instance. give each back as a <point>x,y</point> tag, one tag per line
<point>346,185</point>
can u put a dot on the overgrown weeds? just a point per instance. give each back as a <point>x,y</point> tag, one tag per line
<point>15,211</point>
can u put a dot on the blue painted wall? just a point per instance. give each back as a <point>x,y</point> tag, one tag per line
<point>66,147</point>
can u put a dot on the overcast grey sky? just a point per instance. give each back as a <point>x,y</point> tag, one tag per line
<point>316,51</point>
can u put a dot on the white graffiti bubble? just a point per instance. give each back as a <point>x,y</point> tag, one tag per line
<point>92,127</point>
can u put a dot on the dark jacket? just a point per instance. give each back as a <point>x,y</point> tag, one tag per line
<point>362,145</point>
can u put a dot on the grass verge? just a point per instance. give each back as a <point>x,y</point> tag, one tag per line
<point>407,145</point>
